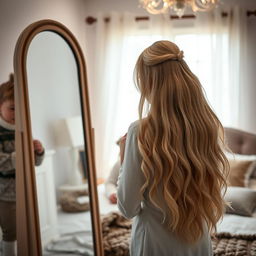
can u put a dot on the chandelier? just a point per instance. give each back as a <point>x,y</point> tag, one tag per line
<point>179,6</point>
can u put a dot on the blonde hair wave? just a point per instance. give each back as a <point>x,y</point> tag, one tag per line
<point>181,143</point>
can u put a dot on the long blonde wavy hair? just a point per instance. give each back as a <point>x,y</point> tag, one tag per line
<point>181,143</point>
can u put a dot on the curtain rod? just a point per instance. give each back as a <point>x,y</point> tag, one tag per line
<point>90,20</point>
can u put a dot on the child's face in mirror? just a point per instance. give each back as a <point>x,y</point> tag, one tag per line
<point>7,111</point>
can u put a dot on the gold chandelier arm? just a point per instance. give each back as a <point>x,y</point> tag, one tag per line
<point>203,5</point>
<point>179,6</point>
<point>155,6</point>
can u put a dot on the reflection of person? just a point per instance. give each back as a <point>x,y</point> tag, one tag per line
<point>173,168</point>
<point>7,167</point>
<point>111,182</point>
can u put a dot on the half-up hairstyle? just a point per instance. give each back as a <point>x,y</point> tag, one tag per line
<point>7,90</point>
<point>181,144</point>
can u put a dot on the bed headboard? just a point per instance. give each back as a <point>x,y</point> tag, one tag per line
<point>240,142</point>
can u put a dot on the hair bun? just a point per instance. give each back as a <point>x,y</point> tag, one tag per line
<point>151,60</point>
<point>180,55</point>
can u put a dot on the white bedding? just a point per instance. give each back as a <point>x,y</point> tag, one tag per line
<point>230,223</point>
<point>236,224</point>
<point>75,237</point>
<point>75,229</point>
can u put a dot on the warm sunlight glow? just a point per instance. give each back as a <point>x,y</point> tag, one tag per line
<point>200,62</point>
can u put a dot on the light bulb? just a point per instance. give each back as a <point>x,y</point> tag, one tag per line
<point>179,7</point>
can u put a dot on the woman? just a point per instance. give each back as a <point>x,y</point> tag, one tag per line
<point>174,169</point>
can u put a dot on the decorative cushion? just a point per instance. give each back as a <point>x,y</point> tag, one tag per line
<point>239,172</point>
<point>243,201</point>
<point>71,201</point>
<point>242,169</point>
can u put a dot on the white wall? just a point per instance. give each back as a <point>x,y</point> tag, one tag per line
<point>16,15</point>
<point>53,96</point>
<point>248,122</point>
<point>52,84</point>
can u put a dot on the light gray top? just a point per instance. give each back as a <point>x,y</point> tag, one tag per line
<point>149,236</point>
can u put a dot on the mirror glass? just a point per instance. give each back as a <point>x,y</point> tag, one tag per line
<point>61,164</point>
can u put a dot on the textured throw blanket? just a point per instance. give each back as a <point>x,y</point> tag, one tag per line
<point>116,234</point>
<point>117,229</point>
<point>226,244</point>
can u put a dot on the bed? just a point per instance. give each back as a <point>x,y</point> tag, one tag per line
<point>236,232</point>
<point>243,145</point>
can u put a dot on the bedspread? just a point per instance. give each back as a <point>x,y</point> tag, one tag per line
<point>116,238</point>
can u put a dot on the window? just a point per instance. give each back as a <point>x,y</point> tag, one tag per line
<point>198,55</point>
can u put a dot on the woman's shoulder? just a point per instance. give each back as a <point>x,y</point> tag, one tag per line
<point>133,128</point>
<point>134,125</point>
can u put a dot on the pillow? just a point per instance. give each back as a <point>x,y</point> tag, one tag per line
<point>243,201</point>
<point>242,169</point>
<point>252,184</point>
<point>231,155</point>
<point>240,172</point>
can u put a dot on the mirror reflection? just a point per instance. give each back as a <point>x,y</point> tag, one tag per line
<point>7,169</point>
<point>56,123</point>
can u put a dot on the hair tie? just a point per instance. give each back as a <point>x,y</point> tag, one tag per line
<point>180,55</point>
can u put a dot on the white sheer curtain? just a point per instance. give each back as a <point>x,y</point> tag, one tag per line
<point>214,49</point>
<point>115,99</point>
<point>226,39</point>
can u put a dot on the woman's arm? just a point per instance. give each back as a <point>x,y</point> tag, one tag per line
<point>131,178</point>
<point>111,182</point>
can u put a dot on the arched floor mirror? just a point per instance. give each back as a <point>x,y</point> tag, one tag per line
<point>59,196</point>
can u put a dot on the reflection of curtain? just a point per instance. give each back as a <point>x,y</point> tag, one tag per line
<point>213,48</point>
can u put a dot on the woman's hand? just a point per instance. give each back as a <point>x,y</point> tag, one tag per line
<point>122,147</point>
<point>113,198</point>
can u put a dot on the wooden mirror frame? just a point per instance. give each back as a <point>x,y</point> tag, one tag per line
<point>27,215</point>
